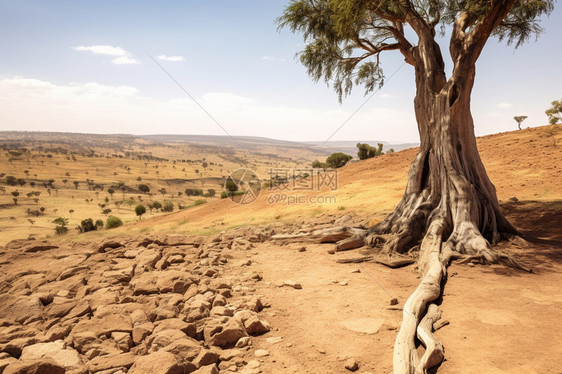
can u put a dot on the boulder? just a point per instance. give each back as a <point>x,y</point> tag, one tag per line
<point>157,363</point>
<point>111,361</point>
<point>224,335</point>
<point>43,366</point>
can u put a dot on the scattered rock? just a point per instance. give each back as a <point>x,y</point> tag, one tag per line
<point>261,353</point>
<point>293,284</point>
<point>255,326</point>
<point>210,369</point>
<point>351,365</point>
<point>242,342</point>
<point>157,363</point>
<point>43,366</point>
<point>394,301</point>
<point>274,339</point>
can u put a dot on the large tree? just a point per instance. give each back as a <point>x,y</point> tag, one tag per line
<point>449,208</point>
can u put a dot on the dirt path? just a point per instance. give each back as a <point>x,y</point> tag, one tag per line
<point>510,323</point>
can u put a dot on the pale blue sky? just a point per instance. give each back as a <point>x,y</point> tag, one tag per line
<point>231,58</point>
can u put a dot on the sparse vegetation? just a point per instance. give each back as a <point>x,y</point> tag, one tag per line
<point>168,206</point>
<point>86,225</point>
<point>61,225</point>
<point>113,222</point>
<point>337,160</point>
<point>554,113</point>
<point>140,210</point>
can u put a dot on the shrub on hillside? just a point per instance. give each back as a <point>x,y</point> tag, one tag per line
<point>113,222</point>
<point>87,225</point>
<point>168,206</point>
<point>99,224</point>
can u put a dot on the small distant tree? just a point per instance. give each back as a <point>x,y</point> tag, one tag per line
<point>111,191</point>
<point>76,183</point>
<point>162,191</point>
<point>554,113</point>
<point>211,192</point>
<point>230,186</point>
<point>87,225</point>
<point>11,180</point>
<point>168,206</point>
<point>61,225</point>
<point>337,160</point>
<point>106,211</point>
<point>365,151</point>
<point>140,210</point>
<point>144,188</point>
<point>21,182</point>
<point>113,222</point>
<point>99,224</point>
<point>15,194</point>
<point>156,205</point>
<point>319,165</point>
<point>519,120</point>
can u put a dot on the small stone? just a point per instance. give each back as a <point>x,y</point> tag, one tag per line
<point>331,252</point>
<point>394,301</point>
<point>274,339</point>
<point>253,364</point>
<point>351,365</point>
<point>261,353</point>
<point>242,342</point>
<point>302,249</point>
<point>355,271</point>
<point>293,284</point>
<point>344,282</point>
<point>471,264</point>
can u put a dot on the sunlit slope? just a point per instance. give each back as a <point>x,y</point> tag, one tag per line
<point>525,164</point>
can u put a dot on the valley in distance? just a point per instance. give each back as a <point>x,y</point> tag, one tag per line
<point>200,284</point>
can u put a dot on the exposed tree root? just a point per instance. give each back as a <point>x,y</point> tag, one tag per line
<point>464,244</point>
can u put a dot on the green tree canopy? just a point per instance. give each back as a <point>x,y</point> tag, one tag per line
<point>554,113</point>
<point>337,160</point>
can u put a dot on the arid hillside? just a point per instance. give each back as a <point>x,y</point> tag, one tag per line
<point>525,164</point>
<point>209,289</point>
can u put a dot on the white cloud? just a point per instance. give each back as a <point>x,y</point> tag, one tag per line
<point>504,105</point>
<point>36,105</point>
<point>171,58</point>
<point>103,50</point>
<point>272,59</point>
<point>123,57</point>
<point>124,60</point>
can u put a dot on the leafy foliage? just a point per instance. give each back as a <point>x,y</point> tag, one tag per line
<point>87,225</point>
<point>346,37</point>
<point>112,222</point>
<point>365,151</point>
<point>140,210</point>
<point>168,206</point>
<point>337,160</point>
<point>554,113</point>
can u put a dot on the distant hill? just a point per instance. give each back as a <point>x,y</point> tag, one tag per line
<point>350,146</point>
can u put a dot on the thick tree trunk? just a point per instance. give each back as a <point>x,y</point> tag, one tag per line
<point>449,209</point>
<point>449,203</point>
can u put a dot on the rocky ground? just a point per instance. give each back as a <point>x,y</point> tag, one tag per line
<point>239,302</point>
<point>135,305</point>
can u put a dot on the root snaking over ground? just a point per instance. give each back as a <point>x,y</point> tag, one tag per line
<point>442,242</point>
